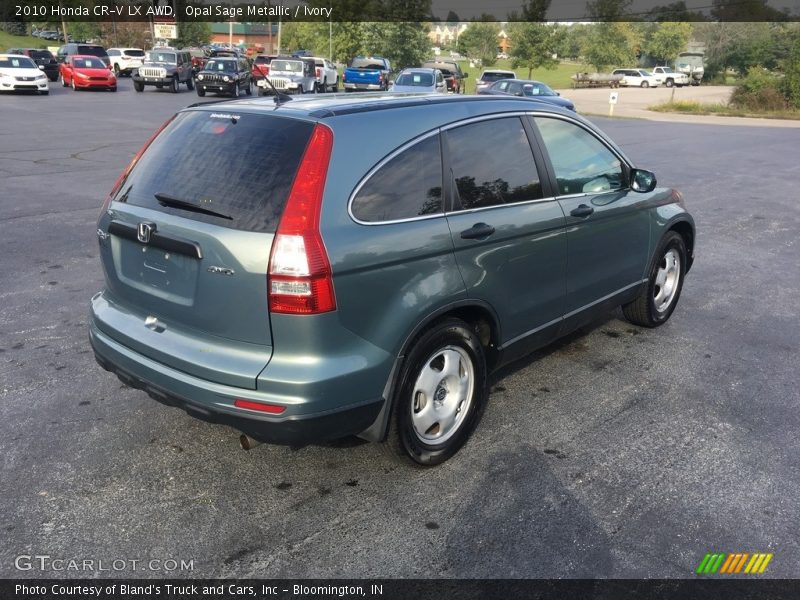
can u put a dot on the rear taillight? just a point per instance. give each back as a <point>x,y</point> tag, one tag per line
<point>121,179</point>
<point>300,281</point>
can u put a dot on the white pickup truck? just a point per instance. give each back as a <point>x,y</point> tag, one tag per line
<point>327,75</point>
<point>671,78</point>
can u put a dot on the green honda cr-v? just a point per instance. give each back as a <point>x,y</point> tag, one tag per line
<point>285,270</point>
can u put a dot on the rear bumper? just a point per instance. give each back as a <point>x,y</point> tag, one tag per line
<point>213,402</point>
<point>363,86</point>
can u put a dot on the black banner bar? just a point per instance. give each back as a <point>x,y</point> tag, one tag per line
<point>394,589</point>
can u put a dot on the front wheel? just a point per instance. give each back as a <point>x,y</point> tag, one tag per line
<point>173,86</point>
<point>655,305</point>
<point>74,88</point>
<point>139,87</point>
<point>63,82</point>
<point>200,91</point>
<point>440,394</point>
<point>645,84</point>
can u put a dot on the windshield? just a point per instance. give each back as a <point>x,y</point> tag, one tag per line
<point>293,66</point>
<point>415,79</point>
<point>494,76</point>
<point>17,62</point>
<point>537,89</point>
<point>162,57</point>
<point>88,63</point>
<point>228,66</point>
<point>666,69</point>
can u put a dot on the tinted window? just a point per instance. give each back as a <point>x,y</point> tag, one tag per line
<point>92,50</point>
<point>40,54</point>
<point>492,163</point>
<point>367,63</point>
<point>241,168</point>
<point>409,185</point>
<point>582,163</point>
<point>132,52</point>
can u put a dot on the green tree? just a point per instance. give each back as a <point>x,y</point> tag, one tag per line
<point>611,44</point>
<point>299,35</point>
<point>405,43</point>
<point>666,40</point>
<point>191,33</point>
<point>790,84</point>
<point>534,45</point>
<point>479,40</point>
<point>572,43</point>
<point>675,12</point>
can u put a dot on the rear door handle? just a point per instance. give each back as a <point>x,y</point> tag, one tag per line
<point>478,231</point>
<point>582,210</point>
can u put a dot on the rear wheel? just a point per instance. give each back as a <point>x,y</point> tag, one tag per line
<point>645,84</point>
<point>249,89</point>
<point>440,395</point>
<point>656,303</point>
<point>670,83</point>
<point>190,84</point>
<point>116,70</point>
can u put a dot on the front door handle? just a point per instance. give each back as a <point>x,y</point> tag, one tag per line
<point>479,231</point>
<point>582,211</point>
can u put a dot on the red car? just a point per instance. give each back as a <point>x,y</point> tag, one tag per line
<point>87,72</point>
<point>261,65</point>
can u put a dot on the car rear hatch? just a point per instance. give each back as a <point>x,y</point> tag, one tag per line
<point>186,240</point>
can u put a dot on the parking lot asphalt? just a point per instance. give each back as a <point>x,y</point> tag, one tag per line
<point>617,452</point>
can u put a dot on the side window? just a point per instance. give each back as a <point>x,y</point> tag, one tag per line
<point>582,163</point>
<point>515,88</point>
<point>409,185</point>
<point>503,86</point>
<point>492,164</point>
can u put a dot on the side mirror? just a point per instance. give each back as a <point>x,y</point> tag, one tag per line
<point>41,67</point>
<point>643,181</point>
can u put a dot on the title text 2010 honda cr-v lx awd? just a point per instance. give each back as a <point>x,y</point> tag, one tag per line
<point>287,270</point>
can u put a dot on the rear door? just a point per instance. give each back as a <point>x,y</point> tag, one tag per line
<point>185,243</point>
<point>507,229</point>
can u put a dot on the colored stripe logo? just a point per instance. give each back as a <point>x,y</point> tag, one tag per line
<point>734,563</point>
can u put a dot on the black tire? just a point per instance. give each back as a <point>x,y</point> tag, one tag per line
<point>249,90</point>
<point>643,311</point>
<point>63,81</point>
<point>454,337</point>
<point>116,69</point>
<point>190,84</point>
<point>173,85</point>
<point>670,83</point>
<point>139,87</point>
<point>200,91</point>
<point>236,91</point>
<point>72,83</point>
<point>113,89</point>
<point>336,86</point>
<point>645,84</point>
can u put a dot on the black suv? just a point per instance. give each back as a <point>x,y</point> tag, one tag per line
<point>43,59</point>
<point>83,49</point>
<point>225,76</point>
<point>165,68</point>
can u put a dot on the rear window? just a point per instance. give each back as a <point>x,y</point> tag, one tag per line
<point>136,53</point>
<point>40,54</point>
<point>263,60</point>
<point>367,63</point>
<point>495,76</point>
<point>92,50</point>
<point>238,165</point>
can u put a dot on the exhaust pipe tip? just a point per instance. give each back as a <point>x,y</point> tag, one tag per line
<point>247,443</point>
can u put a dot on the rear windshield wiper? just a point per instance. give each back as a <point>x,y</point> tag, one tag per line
<point>166,200</point>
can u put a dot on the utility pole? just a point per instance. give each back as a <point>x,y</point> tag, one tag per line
<point>63,21</point>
